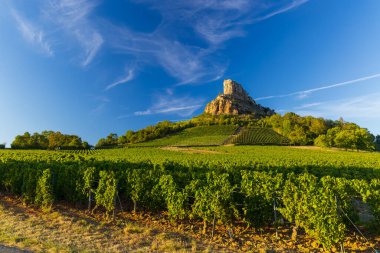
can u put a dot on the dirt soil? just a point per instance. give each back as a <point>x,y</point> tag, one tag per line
<point>68,229</point>
<point>191,150</point>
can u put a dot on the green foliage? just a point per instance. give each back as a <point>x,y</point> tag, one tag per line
<point>195,136</point>
<point>110,141</point>
<point>321,141</point>
<point>261,191</point>
<point>48,140</point>
<point>88,180</point>
<point>347,136</point>
<point>290,128</point>
<point>29,183</point>
<point>175,198</point>
<point>160,130</point>
<point>345,139</point>
<point>257,136</point>
<point>44,192</point>
<point>313,208</point>
<point>299,130</point>
<point>230,184</point>
<point>214,197</point>
<point>106,192</point>
<point>370,193</point>
<point>144,188</point>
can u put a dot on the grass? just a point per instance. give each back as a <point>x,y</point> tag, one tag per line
<point>66,230</point>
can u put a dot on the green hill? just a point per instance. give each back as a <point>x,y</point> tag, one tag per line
<point>195,136</point>
<point>257,136</point>
<point>216,135</point>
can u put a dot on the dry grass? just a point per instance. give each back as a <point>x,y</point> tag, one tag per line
<point>68,230</point>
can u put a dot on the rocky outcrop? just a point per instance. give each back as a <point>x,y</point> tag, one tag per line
<point>235,101</point>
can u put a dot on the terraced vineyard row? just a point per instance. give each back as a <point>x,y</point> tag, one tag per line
<point>196,136</point>
<point>258,136</point>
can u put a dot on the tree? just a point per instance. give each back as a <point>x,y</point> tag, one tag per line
<point>377,139</point>
<point>346,139</point>
<point>47,140</point>
<point>85,145</point>
<point>331,134</point>
<point>318,126</point>
<point>321,141</point>
<point>377,142</point>
<point>298,136</point>
<point>21,141</point>
<point>75,142</point>
<point>365,140</point>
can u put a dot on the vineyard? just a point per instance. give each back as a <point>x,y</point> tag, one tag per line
<point>196,136</point>
<point>314,191</point>
<point>257,136</point>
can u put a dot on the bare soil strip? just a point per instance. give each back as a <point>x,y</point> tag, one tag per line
<point>191,150</point>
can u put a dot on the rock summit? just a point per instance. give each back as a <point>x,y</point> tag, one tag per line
<point>236,101</point>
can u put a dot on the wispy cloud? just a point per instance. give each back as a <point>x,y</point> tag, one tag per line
<point>185,63</point>
<point>305,93</point>
<point>210,22</point>
<point>275,10</point>
<point>168,104</point>
<point>62,20</point>
<point>309,105</point>
<point>361,107</point>
<point>102,102</point>
<point>130,75</point>
<point>73,17</point>
<point>32,33</point>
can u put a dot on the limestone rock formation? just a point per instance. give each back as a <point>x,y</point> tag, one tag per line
<point>235,101</point>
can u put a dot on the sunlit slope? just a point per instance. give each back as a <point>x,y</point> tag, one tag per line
<point>195,136</point>
<point>257,136</point>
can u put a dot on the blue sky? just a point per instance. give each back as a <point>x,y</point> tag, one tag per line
<point>91,67</point>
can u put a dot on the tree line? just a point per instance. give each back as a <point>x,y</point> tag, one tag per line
<point>298,130</point>
<point>322,132</point>
<point>48,140</point>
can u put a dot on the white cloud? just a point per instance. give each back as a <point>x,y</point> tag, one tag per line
<point>32,33</point>
<point>306,93</point>
<point>293,4</point>
<point>73,17</point>
<point>168,104</point>
<point>186,63</point>
<point>130,75</point>
<point>308,105</point>
<point>361,107</point>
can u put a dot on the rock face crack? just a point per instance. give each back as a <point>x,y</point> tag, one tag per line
<point>236,101</point>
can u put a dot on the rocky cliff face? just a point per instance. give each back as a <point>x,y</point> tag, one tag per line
<point>235,101</point>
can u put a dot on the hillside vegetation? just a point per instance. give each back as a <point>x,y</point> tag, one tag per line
<point>257,136</point>
<point>296,129</point>
<point>195,136</point>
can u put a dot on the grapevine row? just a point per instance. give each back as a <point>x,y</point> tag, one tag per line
<point>224,196</point>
